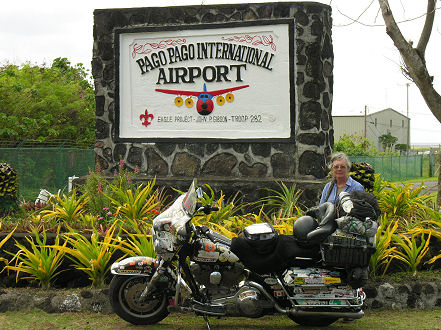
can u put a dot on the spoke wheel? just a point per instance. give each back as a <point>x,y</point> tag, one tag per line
<point>125,292</point>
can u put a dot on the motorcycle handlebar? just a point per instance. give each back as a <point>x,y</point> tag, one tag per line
<point>207,209</point>
<point>206,231</point>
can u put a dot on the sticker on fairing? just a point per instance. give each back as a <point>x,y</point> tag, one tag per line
<point>279,293</point>
<point>332,280</point>
<point>312,302</point>
<point>270,280</point>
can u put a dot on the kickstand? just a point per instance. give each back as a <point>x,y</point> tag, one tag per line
<point>206,321</point>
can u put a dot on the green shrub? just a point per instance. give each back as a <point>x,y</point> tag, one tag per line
<point>8,189</point>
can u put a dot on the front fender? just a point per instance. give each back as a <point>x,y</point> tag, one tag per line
<point>135,266</point>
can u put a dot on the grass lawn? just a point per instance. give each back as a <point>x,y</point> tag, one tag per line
<point>375,319</point>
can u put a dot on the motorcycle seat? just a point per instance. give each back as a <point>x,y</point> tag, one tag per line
<point>325,215</point>
<point>260,257</point>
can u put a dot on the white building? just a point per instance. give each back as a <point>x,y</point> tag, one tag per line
<point>372,126</point>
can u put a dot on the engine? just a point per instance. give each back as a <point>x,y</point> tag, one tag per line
<point>218,279</point>
<point>215,267</point>
<point>249,302</point>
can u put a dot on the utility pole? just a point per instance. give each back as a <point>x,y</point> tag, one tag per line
<point>408,119</point>
<point>365,120</point>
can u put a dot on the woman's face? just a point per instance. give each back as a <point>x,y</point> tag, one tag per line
<point>340,169</point>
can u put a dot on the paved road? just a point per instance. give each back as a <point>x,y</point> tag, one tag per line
<point>432,186</point>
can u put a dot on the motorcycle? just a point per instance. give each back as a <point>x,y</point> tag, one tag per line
<point>313,276</point>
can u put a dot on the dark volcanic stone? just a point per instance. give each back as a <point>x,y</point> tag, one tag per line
<point>283,165</point>
<point>220,165</point>
<point>311,90</point>
<point>99,101</point>
<point>261,149</point>
<point>312,163</point>
<point>166,149</point>
<point>155,164</point>
<point>312,138</point>
<point>101,129</point>
<point>119,152</point>
<point>301,18</point>
<point>185,164</point>
<point>257,169</point>
<point>310,114</point>
<point>135,156</point>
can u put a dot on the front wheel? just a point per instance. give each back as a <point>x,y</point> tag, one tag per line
<point>125,292</point>
<point>313,321</point>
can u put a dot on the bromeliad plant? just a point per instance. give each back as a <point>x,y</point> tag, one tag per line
<point>135,205</point>
<point>91,256</point>
<point>4,240</point>
<point>434,230</point>
<point>67,209</point>
<point>403,201</point>
<point>136,244</point>
<point>41,261</point>
<point>383,255</point>
<point>227,209</point>
<point>283,203</point>
<point>409,252</point>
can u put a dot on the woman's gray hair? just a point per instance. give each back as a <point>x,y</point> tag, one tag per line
<point>339,156</point>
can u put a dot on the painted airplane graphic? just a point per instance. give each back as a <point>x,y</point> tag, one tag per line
<point>204,104</point>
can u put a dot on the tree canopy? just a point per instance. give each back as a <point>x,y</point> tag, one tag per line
<point>354,146</point>
<point>47,103</point>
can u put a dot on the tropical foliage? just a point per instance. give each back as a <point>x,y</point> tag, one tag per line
<point>41,262</point>
<point>354,146</point>
<point>46,103</point>
<point>109,216</point>
<point>91,256</point>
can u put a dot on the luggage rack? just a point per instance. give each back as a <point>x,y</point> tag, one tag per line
<point>360,297</point>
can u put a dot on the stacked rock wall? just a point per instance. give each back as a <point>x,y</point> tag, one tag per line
<point>301,160</point>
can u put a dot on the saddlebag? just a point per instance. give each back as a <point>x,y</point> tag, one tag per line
<point>346,250</point>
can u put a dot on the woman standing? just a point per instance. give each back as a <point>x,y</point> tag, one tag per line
<point>341,181</point>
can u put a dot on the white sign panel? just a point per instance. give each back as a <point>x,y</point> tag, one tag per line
<point>205,83</point>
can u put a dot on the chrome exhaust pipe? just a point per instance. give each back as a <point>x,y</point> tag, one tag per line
<point>297,312</point>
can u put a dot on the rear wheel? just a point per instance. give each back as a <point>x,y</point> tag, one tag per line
<point>125,292</point>
<point>313,321</point>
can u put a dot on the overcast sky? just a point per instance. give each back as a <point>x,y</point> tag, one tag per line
<point>366,63</point>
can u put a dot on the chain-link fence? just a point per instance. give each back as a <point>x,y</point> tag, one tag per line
<point>394,168</point>
<point>47,167</point>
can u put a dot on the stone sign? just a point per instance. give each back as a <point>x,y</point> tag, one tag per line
<point>182,93</point>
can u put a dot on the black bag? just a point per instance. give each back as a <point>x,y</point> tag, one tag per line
<point>365,205</point>
<point>346,250</point>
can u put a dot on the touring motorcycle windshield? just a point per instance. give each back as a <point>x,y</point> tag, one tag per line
<point>169,228</point>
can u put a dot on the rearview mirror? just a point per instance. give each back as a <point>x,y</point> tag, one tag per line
<point>199,192</point>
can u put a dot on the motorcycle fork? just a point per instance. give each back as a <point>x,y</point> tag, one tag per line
<point>182,263</point>
<point>160,273</point>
